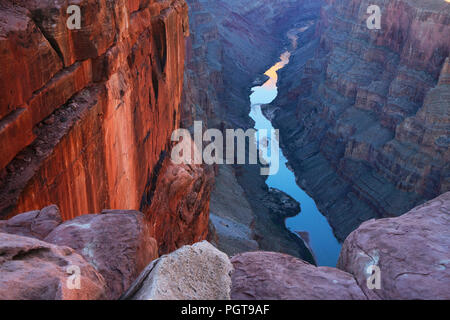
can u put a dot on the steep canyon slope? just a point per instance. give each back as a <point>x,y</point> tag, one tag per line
<point>364,114</point>
<point>86,114</point>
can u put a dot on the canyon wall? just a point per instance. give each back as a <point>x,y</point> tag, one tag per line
<point>364,114</point>
<point>86,114</point>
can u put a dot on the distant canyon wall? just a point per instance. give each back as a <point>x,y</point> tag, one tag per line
<point>365,114</point>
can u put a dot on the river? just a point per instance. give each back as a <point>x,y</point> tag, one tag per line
<point>309,223</point>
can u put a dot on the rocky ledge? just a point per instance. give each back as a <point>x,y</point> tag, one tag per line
<point>412,253</point>
<point>117,258</point>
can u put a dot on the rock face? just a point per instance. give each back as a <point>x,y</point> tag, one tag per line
<point>117,243</point>
<point>411,251</point>
<point>178,207</point>
<point>91,110</point>
<point>275,276</point>
<point>34,224</point>
<point>197,272</point>
<point>31,269</point>
<point>364,114</point>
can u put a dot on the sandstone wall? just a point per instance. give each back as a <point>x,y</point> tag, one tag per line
<point>86,115</point>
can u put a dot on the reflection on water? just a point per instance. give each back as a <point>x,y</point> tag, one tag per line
<point>271,84</point>
<point>310,223</point>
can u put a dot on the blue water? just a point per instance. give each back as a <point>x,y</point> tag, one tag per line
<point>323,243</point>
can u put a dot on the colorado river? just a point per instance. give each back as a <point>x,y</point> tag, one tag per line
<point>310,222</point>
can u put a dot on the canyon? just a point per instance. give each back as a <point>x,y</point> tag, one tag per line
<point>86,177</point>
<point>364,114</point>
<point>223,63</point>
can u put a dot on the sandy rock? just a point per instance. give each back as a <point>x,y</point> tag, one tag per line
<point>117,243</point>
<point>34,224</point>
<point>411,251</point>
<point>275,276</point>
<point>197,272</point>
<point>31,269</point>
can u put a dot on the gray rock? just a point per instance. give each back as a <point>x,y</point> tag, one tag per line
<point>412,253</point>
<point>197,272</point>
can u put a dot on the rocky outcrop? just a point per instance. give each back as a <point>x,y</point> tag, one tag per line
<point>411,252</point>
<point>275,276</point>
<point>34,224</point>
<point>31,269</point>
<point>363,115</point>
<point>91,110</point>
<point>198,272</point>
<point>178,206</point>
<point>117,243</point>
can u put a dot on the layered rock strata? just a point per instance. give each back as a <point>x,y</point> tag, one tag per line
<point>364,114</point>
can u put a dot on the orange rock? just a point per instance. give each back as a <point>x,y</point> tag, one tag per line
<point>177,209</point>
<point>88,134</point>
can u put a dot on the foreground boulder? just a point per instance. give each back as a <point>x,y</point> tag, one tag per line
<point>31,269</point>
<point>412,253</point>
<point>276,276</point>
<point>34,224</point>
<point>117,243</point>
<point>197,272</point>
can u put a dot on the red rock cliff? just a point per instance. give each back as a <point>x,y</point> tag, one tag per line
<point>86,115</point>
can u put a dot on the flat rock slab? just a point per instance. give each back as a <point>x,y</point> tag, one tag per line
<point>117,243</point>
<point>412,253</point>
<point>197,272</point>
<point>31,269</point>
<point>34,224</point>
<point>275,276</point>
